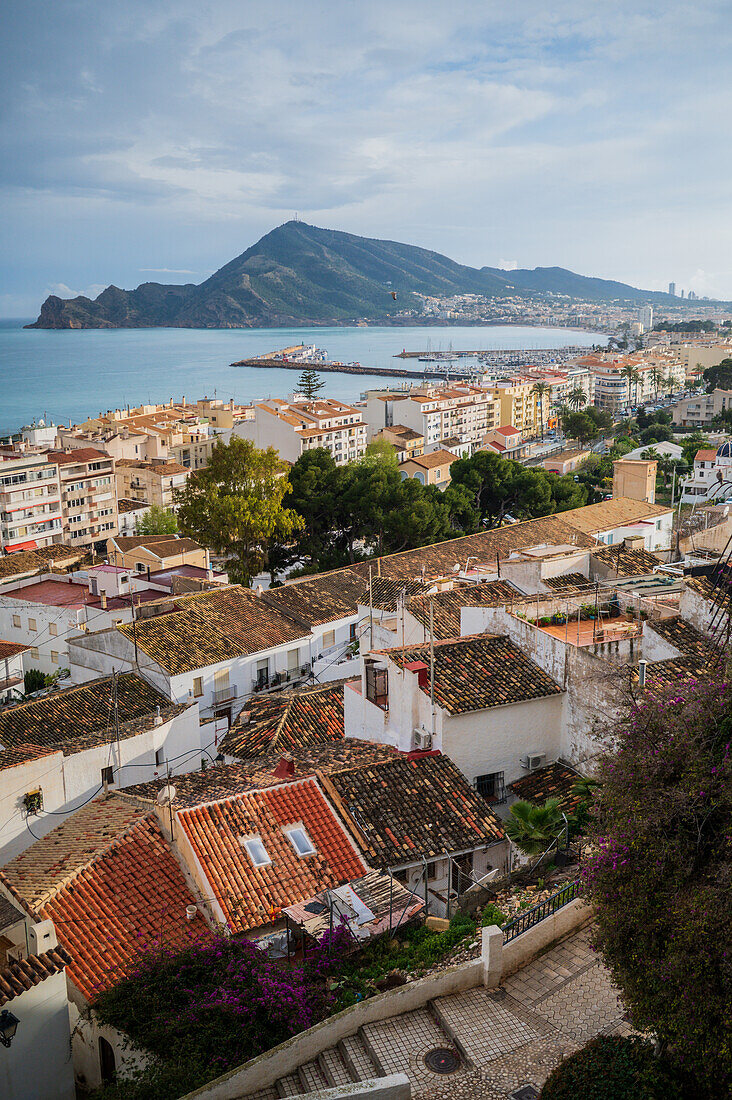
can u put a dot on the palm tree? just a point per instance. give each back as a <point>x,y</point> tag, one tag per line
<point>576,398</point>
<point>657,378</point>
<point>532,828</point>
<point>540,390</point>
<point>631,373</point>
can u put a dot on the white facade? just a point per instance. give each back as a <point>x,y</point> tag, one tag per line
<point>657,532</point>
<point>293,427</point>
<point>37,1065</point>
<point>30,501</point>
<point>67,781</point>
<point>457,410</point>
<point>12,671</point>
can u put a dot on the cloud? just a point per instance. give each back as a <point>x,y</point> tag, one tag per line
<point>508,265</point>
<point>63,291</point>
<point>151,133</point>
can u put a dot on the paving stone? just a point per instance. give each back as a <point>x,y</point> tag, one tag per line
<point>312,1077</point>
<point>357,1058</point>
<point>583,1006</point>
<point>399,1045</point>
<point>334,1068</point>
<point>482,1027</point>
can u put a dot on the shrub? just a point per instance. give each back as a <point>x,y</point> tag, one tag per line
<point>492,915</point>
<point>612,1068</point>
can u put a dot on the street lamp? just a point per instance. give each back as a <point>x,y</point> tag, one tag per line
<point>8,1027</point>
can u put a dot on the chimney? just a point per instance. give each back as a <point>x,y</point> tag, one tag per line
<point>103,598</point>
<point>423,673</point>
<point>642,673</point>
<point>286,767</point>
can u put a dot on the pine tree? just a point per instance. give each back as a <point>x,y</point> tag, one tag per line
<point>310,384</point>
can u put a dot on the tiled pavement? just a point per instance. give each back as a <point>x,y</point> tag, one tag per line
<point>507,1037</point>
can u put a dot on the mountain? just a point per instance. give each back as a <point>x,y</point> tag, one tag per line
<point>299,275</point>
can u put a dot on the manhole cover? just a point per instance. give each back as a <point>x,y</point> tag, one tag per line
<point>526,1092</point>
<point>442,1060</point>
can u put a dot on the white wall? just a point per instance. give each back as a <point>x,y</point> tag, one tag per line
<point>86,1032</point>
<point>68,781</point>
<point>656,534</point>
<point>37,1065</point>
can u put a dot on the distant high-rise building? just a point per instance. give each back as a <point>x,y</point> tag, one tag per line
<point>681,294</point>
<point>672,289</point>
<point>692,296</point>
<point>645,316</point>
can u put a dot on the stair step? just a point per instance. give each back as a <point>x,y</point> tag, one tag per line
<point>289,1086</point>
<point>334,1068</point>
<point>312,1077</point>
<point>357,1059</point>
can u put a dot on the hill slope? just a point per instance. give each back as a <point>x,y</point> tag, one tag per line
<point>299,274</point>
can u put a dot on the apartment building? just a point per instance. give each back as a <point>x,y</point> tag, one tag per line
<point>88,495</point>
<point>30,501</point>
<point>293,427</point>
<point>454,411</point>
<point>519,405</point>
<point>699,411</point>
<point>405,441</point>
<point>152,482</point>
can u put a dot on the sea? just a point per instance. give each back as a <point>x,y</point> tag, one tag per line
<point>69,375</point>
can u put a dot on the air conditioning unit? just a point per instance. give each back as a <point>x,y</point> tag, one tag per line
<point>533,760</point>
<point>422,740</point>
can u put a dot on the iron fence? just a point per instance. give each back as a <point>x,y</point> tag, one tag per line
<point>546,908</point>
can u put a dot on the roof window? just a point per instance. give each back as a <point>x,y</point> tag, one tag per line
<point>300,841</point>
<point>256,850</point>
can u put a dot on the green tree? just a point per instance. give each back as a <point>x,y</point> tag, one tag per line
<point>661,870</point>
<point>697,441</point>
<point>576,398</point>
<point>532,828</point>
<point>630,372</point>
<point>718,377</point>
<point>157,521</point>
<point>658,378</point>
<point>316,487</point>
<point>579,426</point>
<point>540,390</point>
<point>234,505</point>
<point>310,384</point>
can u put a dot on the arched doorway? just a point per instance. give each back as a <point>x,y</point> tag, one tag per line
<point>106,1061</point>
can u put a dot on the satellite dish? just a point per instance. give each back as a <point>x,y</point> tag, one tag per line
<point>456,567</point>
<point>166,794</point>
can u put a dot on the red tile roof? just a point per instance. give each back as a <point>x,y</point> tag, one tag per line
<point>287,720</point>
<point>118,892</point>
<point>20,976</point>
<point>78,456</point>
<point>11,649</point>
<point>252,896</point>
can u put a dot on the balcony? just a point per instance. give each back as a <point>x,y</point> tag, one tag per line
<point>224,695</point>
<point>11,682</point>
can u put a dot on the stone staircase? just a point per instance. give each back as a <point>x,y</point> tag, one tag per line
<point>376,1050</point>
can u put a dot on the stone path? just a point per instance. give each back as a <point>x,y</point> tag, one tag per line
<point>506,1038</point>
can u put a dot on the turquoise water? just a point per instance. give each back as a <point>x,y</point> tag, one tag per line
<point>70,375</point>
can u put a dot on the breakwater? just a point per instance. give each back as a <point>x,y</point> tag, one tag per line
<point>346,368</point>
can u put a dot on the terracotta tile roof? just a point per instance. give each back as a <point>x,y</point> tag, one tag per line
<point>404,433</point>
<point>434,458</point>
<point>446,605</point>
<point>384,593</point>
<point>705,456</point>
<point>23,754</point>
<point>627,563</point>
<point>619,512</point>
<point>161,468</point>
<point>126,505</point>
<point>319,599</point>
<point>9,914</point>
<point>252,896</point>
<point>78,455</point>
<point>409,808</point>
<point>287,720</point>
<point>107,879</point>
<point>255,773</point>
<point>479,671</point>
<point>19,977</point>
<point>11,649</point>
<point>708,589</point>
<point>683,636</point>
<point>212,626</point>
<point>569,582</point>
<point>81,712</point>
<point>28,562</point>
<point>554,781</point>
<point>162,546</point>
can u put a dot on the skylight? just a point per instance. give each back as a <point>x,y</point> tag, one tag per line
<point>256,850</point>
<point>300,841</point>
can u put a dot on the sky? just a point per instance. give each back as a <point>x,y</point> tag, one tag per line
<point>155,140</point>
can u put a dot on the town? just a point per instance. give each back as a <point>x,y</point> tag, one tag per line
<point>305,711</point>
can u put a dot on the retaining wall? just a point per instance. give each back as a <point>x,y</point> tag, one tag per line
<point>497,962</point>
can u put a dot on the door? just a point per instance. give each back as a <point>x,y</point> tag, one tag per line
<point>106,1061</point>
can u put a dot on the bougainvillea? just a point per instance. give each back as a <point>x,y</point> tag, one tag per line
<point>612,1068</point>
<point>660,877</point>
<point>205,1010</point>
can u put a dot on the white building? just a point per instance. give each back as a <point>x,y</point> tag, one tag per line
<point>711,477</point>
<point>293,427</point>
<point>456,410</point>
<point>60,750</point>
<point>30,501</point>
<point>645,317</point>
<point>215,647</point>
<point>613,521</point>
<point>12,670</point>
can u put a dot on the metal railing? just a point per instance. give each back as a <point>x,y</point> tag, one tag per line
<point>540,912</point>
<point>223,695</point>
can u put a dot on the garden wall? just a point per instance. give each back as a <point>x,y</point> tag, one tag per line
<point>496,963</point>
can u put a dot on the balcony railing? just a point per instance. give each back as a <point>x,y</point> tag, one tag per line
<point>540,912</point>
<point>223,695</point>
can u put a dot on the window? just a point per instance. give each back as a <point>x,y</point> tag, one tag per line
<point>53,630</point>
<point>328,639</point>
<point>262,673</point>
<point>491,786</point>
<point>159,757</point>
<point>197,686</point>
<point>352,632</point>
<point>108,774</point>
<point>34,652</point>
<point>377,685</point>
<point>16,622</point>
<point>300,841</point>
<point>292,659</point>
<point>54,656</point>
<point>256,851</point>
<point>32,624</point>
<point>140,567</point>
